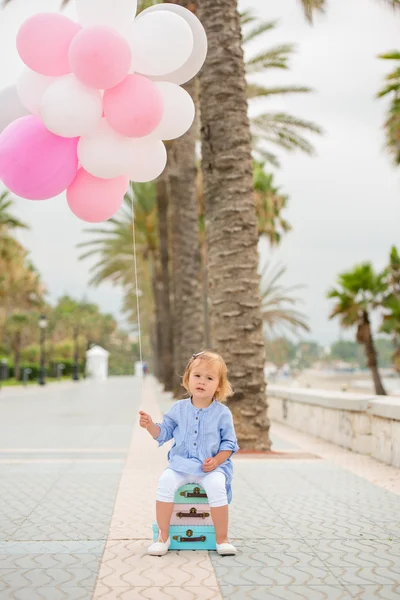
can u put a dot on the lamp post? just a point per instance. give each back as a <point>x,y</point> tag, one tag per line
<point>42,325</point>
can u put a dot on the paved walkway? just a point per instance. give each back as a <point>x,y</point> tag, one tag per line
<point>77,502</point>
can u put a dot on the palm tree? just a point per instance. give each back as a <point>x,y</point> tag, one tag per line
<point>114,249</point>
<point>279,129</point>
<point>357,294</point>
<point>166,349</point>
<point>392,89</point>
<point>277,302</point>
<point>16,326</point>
<point>270,203</point>
<point>310,7</point>
<point>231,227</point>
<point>7,219</point>
<point>188,316</point>
<point>391,304</point>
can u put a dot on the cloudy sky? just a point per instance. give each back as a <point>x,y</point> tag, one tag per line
<point>344,203</point>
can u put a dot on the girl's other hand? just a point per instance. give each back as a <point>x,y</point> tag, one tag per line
<point>145,419</point>
<point>210,464</point>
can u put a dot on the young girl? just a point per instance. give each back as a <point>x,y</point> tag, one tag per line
<point>205,440</point>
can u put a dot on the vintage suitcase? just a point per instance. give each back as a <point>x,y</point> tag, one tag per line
<point>196,537</point>
<point>191,493</point>
<point>189,514</point>
<point>191,523</point>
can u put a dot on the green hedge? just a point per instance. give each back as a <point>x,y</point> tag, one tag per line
<point>51,370</point>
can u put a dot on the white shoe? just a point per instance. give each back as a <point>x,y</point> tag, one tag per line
<point>226,549</point>
<point>159,548</point>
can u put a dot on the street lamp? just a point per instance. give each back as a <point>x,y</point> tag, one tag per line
<point>42,325</point>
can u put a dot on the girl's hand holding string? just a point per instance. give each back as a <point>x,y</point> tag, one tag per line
<point>145,419</point>
<point>146,422</point>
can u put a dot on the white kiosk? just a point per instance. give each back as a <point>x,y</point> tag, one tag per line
<point>97,363</point>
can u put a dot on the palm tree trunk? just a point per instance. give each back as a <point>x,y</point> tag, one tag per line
<point>17,356</point>
<point>185,244</point>
<point>166,342</point>
<point>207,332</point>
<point>364,336</point>
<point>231,221</point>
<point>157,331</point>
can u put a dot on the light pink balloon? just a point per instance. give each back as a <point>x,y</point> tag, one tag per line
<point>135,107</point>
<point>34,163</point>
<point>95,200</point>
<point>100,57</point>
<point>43,43</point>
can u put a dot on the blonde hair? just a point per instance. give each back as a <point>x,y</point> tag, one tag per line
<point>224,389</point>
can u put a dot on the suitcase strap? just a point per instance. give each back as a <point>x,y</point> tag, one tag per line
<point>193,514</point>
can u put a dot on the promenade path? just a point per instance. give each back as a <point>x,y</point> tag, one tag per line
<point>77,487</point>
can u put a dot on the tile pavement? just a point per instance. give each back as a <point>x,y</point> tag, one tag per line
<point>320,528</point>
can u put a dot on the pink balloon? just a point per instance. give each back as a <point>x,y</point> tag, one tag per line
<point>135,107</point>
<point>95,200</point>
<point>43,42</point>
<point>35,163</point>
<point>100,57</point>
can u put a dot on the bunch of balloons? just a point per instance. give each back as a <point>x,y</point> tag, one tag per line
<point>96,100</point>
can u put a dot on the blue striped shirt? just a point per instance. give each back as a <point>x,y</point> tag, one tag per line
<point>199,433</point>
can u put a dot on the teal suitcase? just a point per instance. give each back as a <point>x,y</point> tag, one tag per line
<point>191,493</point>
<point>190,536</point>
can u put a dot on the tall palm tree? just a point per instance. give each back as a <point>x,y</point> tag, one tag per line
<point>166,350</point>
<point>114,249</point>
<point>188,329</point>
<point>391,304</point>
<point>357,294</point>
<point>272,128</point>
<point>392,89</point>
<point>270,203</point>
<point>277,304</point>
<point>231,226</point>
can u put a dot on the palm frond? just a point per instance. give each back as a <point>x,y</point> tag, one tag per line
<point>255,32</point>
<point>284,130</point>
<point>277,301</point>
<point>312,6</point>
<point>274,58</point>
<point>259,91</point>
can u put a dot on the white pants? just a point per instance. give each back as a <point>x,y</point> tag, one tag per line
<point>213,484</point>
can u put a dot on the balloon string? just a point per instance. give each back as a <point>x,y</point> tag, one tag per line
<point>137,291</point>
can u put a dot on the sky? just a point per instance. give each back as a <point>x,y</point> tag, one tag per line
<point>344,204</point>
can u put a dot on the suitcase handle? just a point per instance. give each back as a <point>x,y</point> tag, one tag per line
<point>193,514</point>
<point>202,538</point>
<point>189,538</point>
<point>194,494</point>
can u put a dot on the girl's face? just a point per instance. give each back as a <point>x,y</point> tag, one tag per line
<point>203,379</point>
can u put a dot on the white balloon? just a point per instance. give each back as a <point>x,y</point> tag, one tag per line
<point>11,107</point>
<point>71,109</point>
<point>196,60</point>
<point>160,42</point>
<point>31,87</point>
<point>147,158</point>
<point>104,153</point>
<point>179,112</point>
<point>117,14</point>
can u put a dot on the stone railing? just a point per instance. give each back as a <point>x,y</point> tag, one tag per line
<point>363,423</point>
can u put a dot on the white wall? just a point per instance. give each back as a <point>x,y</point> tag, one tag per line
<point>363,423</point>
